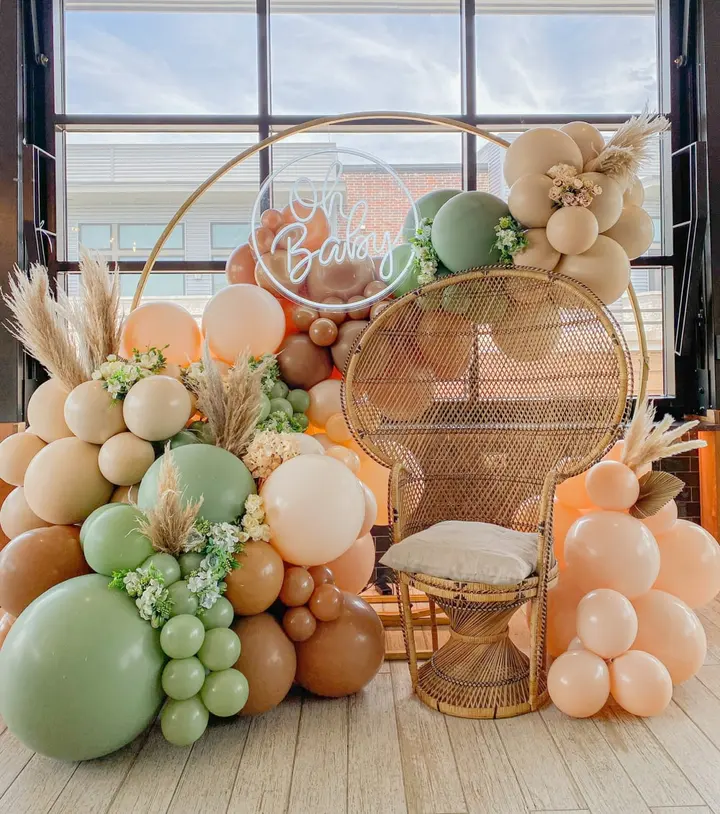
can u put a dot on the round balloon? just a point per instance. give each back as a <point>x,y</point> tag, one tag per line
<point>529,201</point>
<point>689,564</point>
<point>606,623</point>
<point>607,206</point>
<point>16,517</point>
<point>394,264</point>
<point>324,401</point>
<point>640,683</point>
<point>157,408</point>
<point>562,602</point>
<point>588,138</point>
<point>635,192</point>
<point>339,279</point>
<point>538,254</point>
<point>579,683</point>
<point>661,522</point>
<point>347,336</point>
<point>113,541</point>
<point>612,485</point>
<point>299,623</point>
<point>80,652</point>
<point>303,363</point>
<point>164,325</point>
<point>353,569</point>
<point>240,266</point>
<point>427,206</point>
<point>46,411</point>
<point>316,227</point>
<point>255,585</point>
<point>297,587</point>
<point>604,268</point>
<point>563,519</point>
<point>125,458</point>
<point>16,452</point>
<point>537,150</point>
<point>92,414</point>
<point>634,231</point>
<point>572,229</point>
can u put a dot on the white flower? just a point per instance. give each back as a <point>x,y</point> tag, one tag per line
<point>132,583</point>
<point>210,597</point>
<point>243,537</point>
<point>254,504</point>
<point>250,524</point>
<point>578,183</point>
<point>263,533</point>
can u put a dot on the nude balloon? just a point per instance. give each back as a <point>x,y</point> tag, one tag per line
<point>563,519</point>
<point>157,324</point>
<point>529,200</point>
<point>16,452</point>
<point>92,414</point>
<point>634,231</point>
<point>572,229</point>
<point>579,683</point>
<point>640,683</point>
<point>563,600</point>
<point>538,254</point>
<point>240,266</point>
<point>16,517</point>
<point>587,137</point>
<point>604,268</point>
<point>606,623</point>
<point>371,510</point>
<point>46,411</point>
<point>157,408</point>
<point>689,563</point>
<point>324,402</point>
<point>607,206</point>
<point>537,150</point>
<point>661,522</point>
<point>353,569</point>
<point>612,485</point>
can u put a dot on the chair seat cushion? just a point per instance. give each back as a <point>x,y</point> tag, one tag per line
<point>466,552</point>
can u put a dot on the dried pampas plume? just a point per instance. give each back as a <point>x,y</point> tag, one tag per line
<point>169,523</point>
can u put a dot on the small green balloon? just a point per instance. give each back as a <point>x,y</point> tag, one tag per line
<point>183,438</point>
<point>113,541</point>
<point>182,636</point>
<point>300,400</point>
<point>264,407</point>
<point>427,207</point>
<point>281,406</point>
<point>167,565</point>
<point>221,614</point>
<point>220,650</point>
<point>182,600</point>
<point>302,421</point>
<point>183,678</point>
<point>279,390</point>
<point>225,693</point>
<point>183,722</point>
<point>189,562</point>
<point>93,517</point>
<point>203,432</point>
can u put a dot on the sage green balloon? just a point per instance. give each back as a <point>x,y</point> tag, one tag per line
<point>189,562</point>
<point>225,693</point>
<point>203,432</point>
<point>183,438</point>
<point>279,390</point>
<point>427,207</point>
<point>113,541</point>
<point>80,671</point>
<point>281,406</point>
<point>182,600</point>
<point>222,614</point>
<point>300,400</point>
<point>167,565</point>
<point>463,232</point>
<point>220,650</point>
<point>302,421</point>
<point>264,407</point>
<point>94,516</point>
<point>208,472</point>
<point>182,636</point>
<point>183,722</point>
<point>183,678</point>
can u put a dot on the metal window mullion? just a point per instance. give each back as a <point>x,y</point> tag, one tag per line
<point>469,90</point>
<point>262,8</point>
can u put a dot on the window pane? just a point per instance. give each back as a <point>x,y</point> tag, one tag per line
<point>400,57</point>
<point>145,62</point>
<point>158,285</point>
<point>96,236</point>
<point>136,236</point>
<point>228,235</point>
<point>565,63</point>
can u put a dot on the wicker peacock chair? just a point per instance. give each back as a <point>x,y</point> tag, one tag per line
<point>481,392</point>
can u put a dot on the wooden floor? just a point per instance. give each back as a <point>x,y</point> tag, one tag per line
<point>383,751</point>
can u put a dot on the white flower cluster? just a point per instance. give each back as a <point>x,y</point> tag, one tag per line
<point>569,189</point>
<point>192,374</point>
<point>146,586</point>
<point>253,522</point>
<point>205,585</point>
<point>505,238</point>
<point>119,375</point>
<point>268,450</point>
<point>425,262</point>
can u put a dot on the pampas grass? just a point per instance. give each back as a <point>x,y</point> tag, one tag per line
<point>169,523</point>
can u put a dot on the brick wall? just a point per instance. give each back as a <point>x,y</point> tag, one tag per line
<point>687,468</point>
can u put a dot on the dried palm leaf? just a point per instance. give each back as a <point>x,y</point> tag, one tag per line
<point>657,489</point>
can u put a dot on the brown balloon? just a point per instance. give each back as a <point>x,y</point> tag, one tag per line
<point>373,288</point>
<point>446,341</point>
<point>240,266</point>
<point>321,575</point>
<point>276,262</point>
<point>254,586</point>
<point>358,313</point>
<point>37,560</point>
<point>378,308</point>
<point>347,335</point>
<point>297,587</point>
<point>344,280</point>
<point>303,317</point>
<point>299,624</point>
<point>267,660</point>
<point>341,657</point>
<point>302,363</point>
<point>338,317</point>
<point>7,621</point>
<point>323,332</point>
<point>272,219</point>
<point>326,602</point>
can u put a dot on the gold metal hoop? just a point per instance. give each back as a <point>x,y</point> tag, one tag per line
<point>437,121</point>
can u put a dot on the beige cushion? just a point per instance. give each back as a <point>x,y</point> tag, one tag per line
<point>466,552</point>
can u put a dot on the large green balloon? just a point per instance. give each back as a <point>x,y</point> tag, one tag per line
<point>80,671</point>
<point>94,516</point>
<point>427,207</point>
<point>221,479</point>
<point>113,541</point>
<point>400,256</point>
<point>463,232</point>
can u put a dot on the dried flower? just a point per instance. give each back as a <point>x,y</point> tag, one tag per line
<point>268,450</point>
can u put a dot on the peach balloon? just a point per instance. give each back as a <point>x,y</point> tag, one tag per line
<point>240,266</point>
<point>562,602</point>
<point>324,402</point>
<point>563,518</point>
<point>689,564</point>
<point>661,522</point>
<point>640,683</point>
<point>670,631</point>
<point>46,411</point>
<point>576,644</point>
<point>353,569</point>
<point>16,517</point>
<point>346,456</point>
<point>612,550</point>
<point>157,408</point>
<point>92,414</point>
<point>263,240</point>
<point>316,223</point>
<point>572,493</point>
<point>579,683</point>
<point>272,219</point>
<point>376,477</point>
<point>16,452</point>
<point>634,231</point>
<point>243,318</point>
<point>615,454</point>
<point>158,324</point>
<point>606,623</point>
<point>612,485</point>
<point>337,429</point>
<point>371,510</point>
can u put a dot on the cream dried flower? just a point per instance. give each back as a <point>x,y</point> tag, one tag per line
<point>268,450</point>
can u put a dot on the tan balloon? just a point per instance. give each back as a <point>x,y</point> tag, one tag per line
<point>92,414</point>
<point>607,206</point>
<point>277,263</point>
<point>604,269</point>
<point>538,254</point>
<point>324,402</point>
<point>125,494</point>
<point>529,200</point>
<point>539,149</point>
<point>635,192</point>
<point>125,458</point>
<point>63,483</point>
<point>16,517</point>
<point>46,411</point>
<point>588,138</point>
<point>634,231</point>
<point>16,452</point>
<point>572,230</point>
<point>157,408</point>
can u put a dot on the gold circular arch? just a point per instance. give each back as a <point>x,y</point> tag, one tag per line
<point>304,127</point>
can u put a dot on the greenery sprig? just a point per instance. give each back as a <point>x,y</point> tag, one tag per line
<point>510,238</point>
<point>147,587</point>
<point>118,375</point>
<point>425,260</point>
<point>271,375</point>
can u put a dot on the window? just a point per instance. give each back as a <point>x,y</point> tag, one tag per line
<point>96,236</point>
<point>224,237</point>
<point>142,236</point>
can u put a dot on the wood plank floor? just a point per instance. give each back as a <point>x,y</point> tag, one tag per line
<point>383,752</point>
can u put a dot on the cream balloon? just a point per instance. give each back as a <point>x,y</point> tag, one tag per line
<point>670,631</point>
<point>663,521</point>
<point>337,429</point>
<point>606,623</point>
<point>537,254</point>
<point>635,193</point>
<point>689,564</point>
<point>157,408</point>
<point>588,138</point>
<point>46,411</point>
<point>529,200</point>
<point>371,510</point>
<point>323,440</point>
<point>324,402</point>
<point>63,484</point>
<point>16,517</point>
<point>345,456</point>
<point>608,205</point>
<point>125,494</point>
<point>537,150</point>
<point>125,458</point>
<point>315,508</point>
<point>640,683</point>
<point>634,231</point>
<point>92,414</point>
<point>579,683</point>
<point>309,445</point>
<point>611,485</point>
<point>16,452</point>
<point>576,644</point>
<point>604,268</point>
<point>572,229</point>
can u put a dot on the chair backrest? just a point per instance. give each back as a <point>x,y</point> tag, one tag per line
<point>483,389</point>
